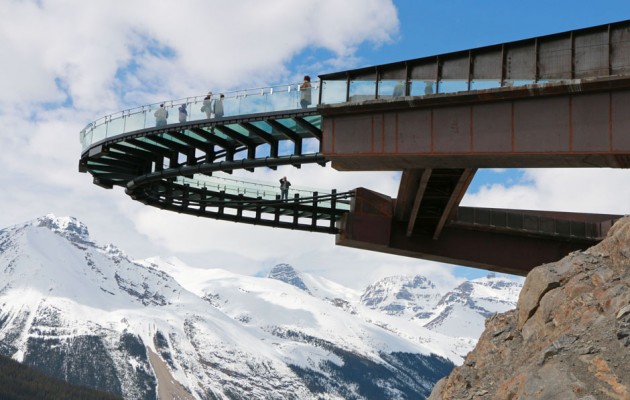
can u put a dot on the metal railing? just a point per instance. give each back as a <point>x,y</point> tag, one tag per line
<point>258,190</point>
<point>562,58</point>
<point>235,103</point>
<point>524,221</point>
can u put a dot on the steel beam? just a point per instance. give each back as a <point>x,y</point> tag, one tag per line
<point>509,248</point>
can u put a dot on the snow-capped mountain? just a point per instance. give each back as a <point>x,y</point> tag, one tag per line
<point>287,274</point>
<point>404,304</point>
<point>460,313</point>
<point>88,314</point>
<point>411,297</point>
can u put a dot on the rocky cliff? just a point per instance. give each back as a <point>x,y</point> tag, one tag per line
<point>568,338</point>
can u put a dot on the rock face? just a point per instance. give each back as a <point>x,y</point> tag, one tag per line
<point>568,338</point>
<point>287,274</point>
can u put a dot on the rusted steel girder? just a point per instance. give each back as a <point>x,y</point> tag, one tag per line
<point>509,241</point>
<point>583,129</point>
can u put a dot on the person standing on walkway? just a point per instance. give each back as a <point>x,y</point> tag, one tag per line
<point>207,105</point>
<point>284,188</point>
<point>305,92</point>
<point>160,116</point>
<point>217,106</point>
<point>183,113</point>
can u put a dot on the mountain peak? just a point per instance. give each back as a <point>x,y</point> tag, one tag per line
<point>401,294</point>
<point>286,273</point>
<point>69,227</point>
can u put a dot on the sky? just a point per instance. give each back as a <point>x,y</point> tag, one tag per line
<point>66,63</point>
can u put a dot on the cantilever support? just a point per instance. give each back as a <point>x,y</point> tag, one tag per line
<point>424,180</point>
<point>456,197</point>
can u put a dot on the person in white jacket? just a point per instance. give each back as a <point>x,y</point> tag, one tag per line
<point>207,105</point>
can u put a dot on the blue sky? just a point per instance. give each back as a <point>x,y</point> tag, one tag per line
<point>104,58</point>
<point>434,26</point>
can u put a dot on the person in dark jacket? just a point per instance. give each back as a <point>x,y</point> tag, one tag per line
<point>305,92</point>
<point>217,106</point>
<point>284,188</point>
<point>183,113</point>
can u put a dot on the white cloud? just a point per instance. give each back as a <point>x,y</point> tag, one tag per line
<point>168,49</point>
<point>596,190</point>
<point>67,62</point>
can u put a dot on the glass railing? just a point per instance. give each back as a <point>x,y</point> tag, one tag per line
<point>281,98</point>
<point>592,53</point>
<point>339,91</point>
<point>242,102</point>
<point>259,190</point>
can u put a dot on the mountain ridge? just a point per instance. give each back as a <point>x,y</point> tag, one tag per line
<point>221,334</point>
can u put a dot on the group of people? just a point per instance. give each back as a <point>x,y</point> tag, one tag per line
<point>212,107</point>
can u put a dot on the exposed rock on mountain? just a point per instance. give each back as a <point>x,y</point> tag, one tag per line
<point>568,338</point>
<point>413,297</point>
<point>463,311</point>
<point>287,274</point>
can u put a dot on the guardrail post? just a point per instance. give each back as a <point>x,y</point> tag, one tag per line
<point>185,193</point>
<point>296,202</point>
<point>168,195</point>
<point>239,208</point>
<point>314,212</point>
<point>276,218</point>
<point>202,199</point>
<point>221,201</point>
<point>333,208</point>
<point>258,210</point>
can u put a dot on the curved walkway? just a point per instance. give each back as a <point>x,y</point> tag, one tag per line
<point>179,166</point>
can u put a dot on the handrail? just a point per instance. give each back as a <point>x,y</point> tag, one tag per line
<point>265,190</point>
<point>562,58</point>
<point>270,99</point>
<point>235,103</point>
